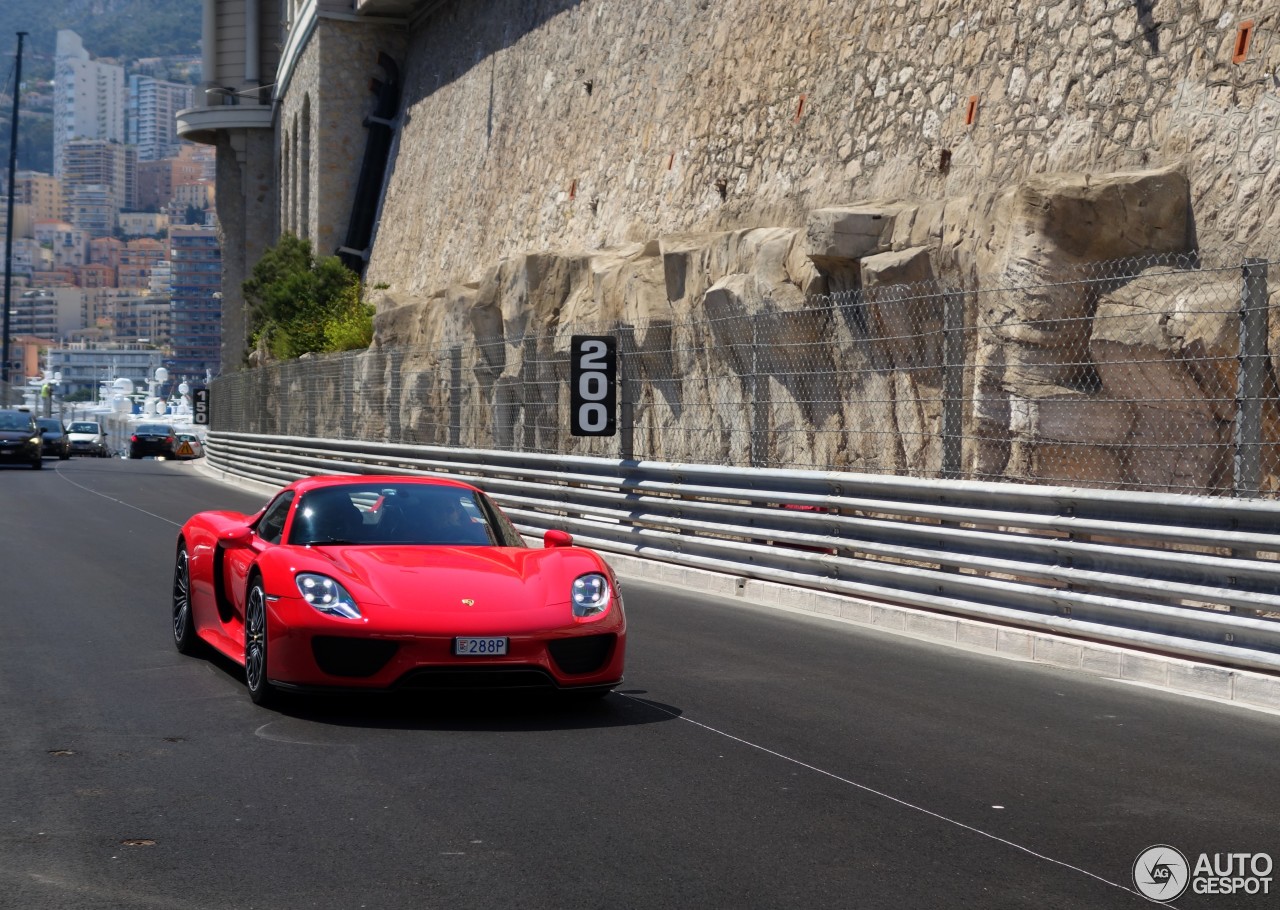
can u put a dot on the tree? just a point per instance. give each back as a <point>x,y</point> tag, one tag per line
<point>299,305</point>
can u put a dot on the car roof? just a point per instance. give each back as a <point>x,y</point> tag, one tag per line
<point>306,484</point>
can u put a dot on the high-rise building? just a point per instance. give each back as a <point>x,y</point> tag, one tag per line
<point>89,97</point>
<point>151,123</point>
<point>97,162</point>
<point>196,302</point>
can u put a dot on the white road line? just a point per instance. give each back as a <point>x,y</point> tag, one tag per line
<point>176,524</point>
<point>883,795</point>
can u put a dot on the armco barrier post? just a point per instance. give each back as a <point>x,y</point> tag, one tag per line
<point>626,392</point>
<point>952,383</point>
<point>346,367</point>
<point>455,397</point>
<point>529,392</point>
<point>1251,369</point>
<point>395,431</point>
<point>759,400</point>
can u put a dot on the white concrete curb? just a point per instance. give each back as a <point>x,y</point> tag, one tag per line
<point>1241,687</point>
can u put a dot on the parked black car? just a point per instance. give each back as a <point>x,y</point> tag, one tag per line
<point>157,439</point>
<point>56,440</point>
<point>20,438</point>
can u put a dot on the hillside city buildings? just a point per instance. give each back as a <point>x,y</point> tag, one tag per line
<point>116,258</point>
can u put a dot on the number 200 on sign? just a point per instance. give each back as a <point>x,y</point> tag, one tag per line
<point>593,382</point>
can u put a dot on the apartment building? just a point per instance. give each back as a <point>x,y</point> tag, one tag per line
<point>89,98</point>
<point>157,179</point>
<point>41,193</point>
<point>196,302</point>
<point>151,122</point>
<point>100,163</point>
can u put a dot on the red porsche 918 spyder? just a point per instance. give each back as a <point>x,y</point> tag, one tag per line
<point>388,582</point>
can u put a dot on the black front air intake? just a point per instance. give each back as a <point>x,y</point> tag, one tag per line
<point>351,657</point>
<point>585,654</point>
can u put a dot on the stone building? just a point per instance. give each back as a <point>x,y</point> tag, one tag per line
<point>661,160</point>
<point>582,124</point>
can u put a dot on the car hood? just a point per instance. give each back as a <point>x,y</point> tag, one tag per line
<point>493,579</point>
<point>83,437</point>
<point>12,435</point>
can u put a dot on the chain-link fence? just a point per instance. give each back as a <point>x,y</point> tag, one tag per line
<point>1143,374</point>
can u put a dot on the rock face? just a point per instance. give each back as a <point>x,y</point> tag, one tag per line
<point>1092,352</point>
<point>587,124</point>
<point>1039,388</point>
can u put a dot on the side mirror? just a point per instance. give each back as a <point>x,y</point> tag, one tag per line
<point>556,538</point>
<point>236,535</point>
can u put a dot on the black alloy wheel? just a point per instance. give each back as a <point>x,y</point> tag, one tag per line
<point>255,644</point>
<point>184,627</point>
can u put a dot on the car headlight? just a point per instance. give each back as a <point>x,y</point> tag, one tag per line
<point>327,596</point>
<point>590,595</point>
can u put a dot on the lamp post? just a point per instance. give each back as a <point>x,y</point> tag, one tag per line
<point>8,231</point>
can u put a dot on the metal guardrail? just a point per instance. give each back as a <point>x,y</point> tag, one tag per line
<point>1197,577</point>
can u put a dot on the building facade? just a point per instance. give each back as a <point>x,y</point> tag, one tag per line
<point>42,193</point>
<point>152,119</point>
<point>89,98</point>
<point>68,244</point>
<point>196,302</point>
<point>100,163</point>
<point>87,366</point>
<point>47,312</point>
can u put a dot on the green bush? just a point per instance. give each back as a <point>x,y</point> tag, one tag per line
<point>299,304</point>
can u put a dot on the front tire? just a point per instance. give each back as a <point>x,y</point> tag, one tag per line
<point>38,462</point>
<point>261,692</point>
<point>184,627</point>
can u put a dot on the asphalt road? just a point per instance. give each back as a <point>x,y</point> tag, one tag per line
<point>751,759</point>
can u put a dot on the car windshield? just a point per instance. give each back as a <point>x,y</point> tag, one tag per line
<point>400,514</point>
<point>151,429</point>
<point>83,428</point>
<point>49,425</point>
<point>12,421</point>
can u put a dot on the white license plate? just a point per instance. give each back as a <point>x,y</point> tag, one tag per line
<point>479,647</point>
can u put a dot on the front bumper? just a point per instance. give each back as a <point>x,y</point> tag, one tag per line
<point>308,650</point>
<point>22,451</point>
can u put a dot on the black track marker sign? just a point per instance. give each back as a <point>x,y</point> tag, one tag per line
<point>200,407</point>
<point>593,383</point>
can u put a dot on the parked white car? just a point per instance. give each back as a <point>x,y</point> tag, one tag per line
<point>87,438</point>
